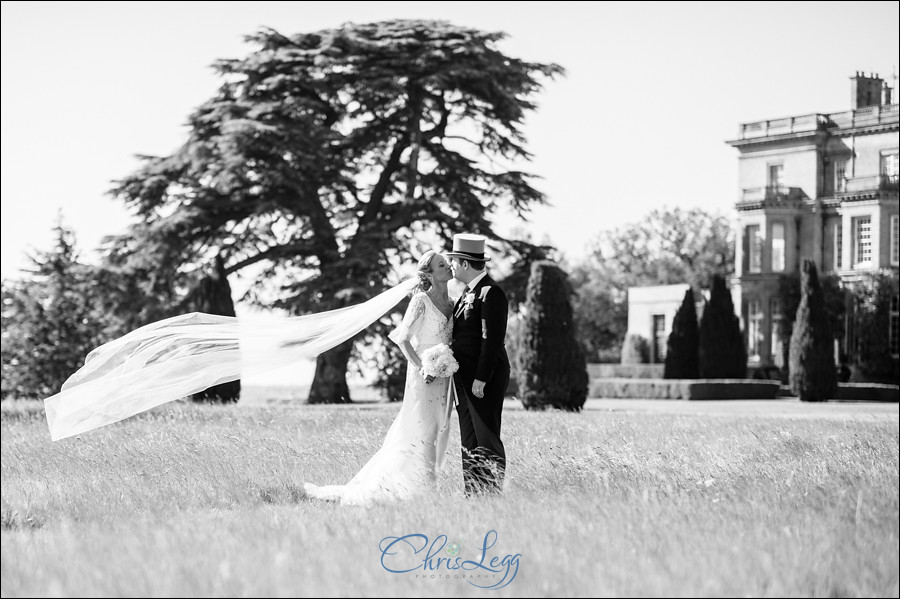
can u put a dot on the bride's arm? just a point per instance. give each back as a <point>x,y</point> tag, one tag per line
<point>410,353</point>
<point>412,321</point>
<point>414,359</point>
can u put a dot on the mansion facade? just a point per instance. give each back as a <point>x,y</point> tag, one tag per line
<point>817,186</point>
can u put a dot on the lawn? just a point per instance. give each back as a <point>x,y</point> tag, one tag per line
<point>207,501</point>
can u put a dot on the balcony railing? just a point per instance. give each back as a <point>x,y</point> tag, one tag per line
<point>861,117</point>
<point>875,183</point>
<point>793,124</point>
<point>771,194</point>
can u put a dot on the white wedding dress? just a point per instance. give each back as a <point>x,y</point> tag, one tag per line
<point>414,449</point>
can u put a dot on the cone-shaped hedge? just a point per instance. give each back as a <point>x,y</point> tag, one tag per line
<point>683,346</point>
<point>552,369</point>
<point>722,353</point>
<point>813,376</point>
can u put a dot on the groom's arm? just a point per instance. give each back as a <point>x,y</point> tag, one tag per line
<point>494,310</point>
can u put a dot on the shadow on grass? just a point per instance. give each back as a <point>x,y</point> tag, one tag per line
<point>11,519</point>
<point>283,494</point>
<point>21,409</point>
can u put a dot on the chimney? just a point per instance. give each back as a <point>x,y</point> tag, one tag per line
<point>866,90</point>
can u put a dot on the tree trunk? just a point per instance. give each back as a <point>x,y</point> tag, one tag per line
<point>213,296</point>
<point>330,382</point>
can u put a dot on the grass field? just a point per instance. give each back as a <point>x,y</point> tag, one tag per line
<point>208,501</point>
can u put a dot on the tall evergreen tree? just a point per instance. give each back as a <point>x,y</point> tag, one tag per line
<point>51,321</point>
<point>722,352</point>
<point>683,345</point>
<point>789,294</point>
<point>325,155</point>
<point>552,367</point>
<point>813,374</point>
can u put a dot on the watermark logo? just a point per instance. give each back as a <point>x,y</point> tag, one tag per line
<point>416,553</point>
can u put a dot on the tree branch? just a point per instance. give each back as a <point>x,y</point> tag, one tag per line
<point>383,184</point>
<point>292,249</point>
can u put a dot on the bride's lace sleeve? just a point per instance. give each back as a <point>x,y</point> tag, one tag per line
<point>412,320</point>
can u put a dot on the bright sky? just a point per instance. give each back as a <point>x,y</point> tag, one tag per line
<point>653,92</point>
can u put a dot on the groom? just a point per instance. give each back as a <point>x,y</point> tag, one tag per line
<point>479,333</point>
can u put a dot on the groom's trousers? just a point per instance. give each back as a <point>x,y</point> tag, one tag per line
<point>483,455</point>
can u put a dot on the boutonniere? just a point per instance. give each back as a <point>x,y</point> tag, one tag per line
<point>468,300</point>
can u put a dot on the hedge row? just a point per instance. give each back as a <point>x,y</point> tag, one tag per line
<point>625,371</point>
<point>868,392</point>
<point>695,389</point>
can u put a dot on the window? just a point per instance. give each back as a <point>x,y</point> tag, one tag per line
<point>895,240</point>
<point>838,237</point>
<point>754,242</point>
<point>777,247</point>
<point>890,166</point>
<point>754,329</point>
<point>659,338</point>
<point>777,344</point>
<point>840,175</point>
<point>862,251</point>
<point>776,176</point>
<point>894,334</point>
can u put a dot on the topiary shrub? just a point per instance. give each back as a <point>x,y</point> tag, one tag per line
<point>813,375</point>
<point>635,350</point>
<point>683,345</point>
<point>722,354</point>
<point>551,364</point>
<point>789,298</point>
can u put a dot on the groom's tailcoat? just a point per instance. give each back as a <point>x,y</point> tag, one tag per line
<point>479,334</point>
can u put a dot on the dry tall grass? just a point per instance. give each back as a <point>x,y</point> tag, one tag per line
<point>208,501</point>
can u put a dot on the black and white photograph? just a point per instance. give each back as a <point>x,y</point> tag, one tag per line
<point>450,299</point>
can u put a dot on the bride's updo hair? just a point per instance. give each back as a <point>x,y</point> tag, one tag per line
<point>423,271</point>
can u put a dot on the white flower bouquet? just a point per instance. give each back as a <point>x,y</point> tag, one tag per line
<point>438,361</point>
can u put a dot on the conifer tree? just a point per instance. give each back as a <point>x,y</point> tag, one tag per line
<point>683,345</point>
<point>552,368</point>
<point>722,354</point>
<point>813,375</point>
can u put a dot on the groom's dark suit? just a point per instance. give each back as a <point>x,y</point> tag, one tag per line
<point>479,333</point>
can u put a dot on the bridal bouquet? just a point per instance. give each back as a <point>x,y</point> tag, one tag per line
<point>438,361</point>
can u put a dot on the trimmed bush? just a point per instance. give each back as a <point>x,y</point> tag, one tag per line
<point>552,368</point>
<point>789,295</point>
<point>813,375</point>
<point>683,345</point>
<point>635,350</point>
<point>868,392</point>
<point>722,354</point>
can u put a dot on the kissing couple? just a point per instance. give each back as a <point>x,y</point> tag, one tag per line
<point>474,327</point>
<point>175,357</point>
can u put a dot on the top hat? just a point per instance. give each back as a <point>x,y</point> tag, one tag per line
<point>469,247</point>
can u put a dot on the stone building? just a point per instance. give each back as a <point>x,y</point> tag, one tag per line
<point>819,186</point>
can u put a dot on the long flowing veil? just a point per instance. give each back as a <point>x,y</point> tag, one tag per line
<point>178,356</point>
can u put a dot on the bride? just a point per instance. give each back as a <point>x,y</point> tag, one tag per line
<point>169,359</point>
<point>415,446</point>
